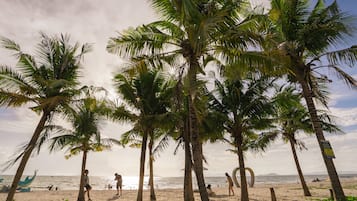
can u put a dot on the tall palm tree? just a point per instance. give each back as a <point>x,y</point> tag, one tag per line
<point>85,118</point>
<point>186,38</point>
<point>292,117</point>
<point>305,37</point>
<point>46,81</point>
<point>210,129</point>
<point>149,95</point>
<point>247,109</point>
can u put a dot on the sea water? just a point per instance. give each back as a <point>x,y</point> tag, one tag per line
<point>131,182</point>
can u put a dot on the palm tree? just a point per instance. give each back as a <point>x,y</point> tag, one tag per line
<point>246,109</point>
<point>149,95</point>
<point>46,80</point>
<point>186,38</point>
<point>85,118</point>
<point>292,117</point>
<point>184,137</point>
<point>305,37</point>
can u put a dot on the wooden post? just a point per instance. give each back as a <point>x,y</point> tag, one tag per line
<point>272,193</point>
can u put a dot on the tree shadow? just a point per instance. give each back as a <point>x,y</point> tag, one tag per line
<point>220,196</point>
<point>115,197</point>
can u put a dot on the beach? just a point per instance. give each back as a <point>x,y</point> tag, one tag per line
<point>260,192</point>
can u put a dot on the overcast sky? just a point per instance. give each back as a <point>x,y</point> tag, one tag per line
<point>94,21</point>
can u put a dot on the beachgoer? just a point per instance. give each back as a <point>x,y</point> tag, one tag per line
<point>316,180</point>
<point>209,191</point>
<point>230,184</point>
<point>119,180</point>
<point>86,183</point>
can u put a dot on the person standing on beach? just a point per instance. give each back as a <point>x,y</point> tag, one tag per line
<point>86,184</point>
<point>230,184</point>
<point>119,180</point>
<point>210,191</point>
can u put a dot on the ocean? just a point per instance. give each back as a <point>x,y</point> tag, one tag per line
<point>131,182</point>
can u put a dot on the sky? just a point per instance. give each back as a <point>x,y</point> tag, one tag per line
<point>93,21</point>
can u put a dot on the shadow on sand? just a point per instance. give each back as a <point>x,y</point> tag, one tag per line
<point>115,197</point>
<point>220,196</point>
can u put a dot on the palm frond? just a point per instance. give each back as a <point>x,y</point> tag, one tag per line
<point>46,134</point>
<point>10,99</point>
<point>59,142</point>
<point>345,56</point>
<point>161,146</point>
<point>349,80</point>
<point>16,157</point>
<point>11,45</point>
<point>13,80</point>
<point>129,137</point>
<point>122,114</point>
<point>146,39</point>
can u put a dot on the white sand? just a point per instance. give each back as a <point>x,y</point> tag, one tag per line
<point>284,192</point>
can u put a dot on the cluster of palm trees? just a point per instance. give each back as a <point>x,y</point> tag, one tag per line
<point>268,62</point>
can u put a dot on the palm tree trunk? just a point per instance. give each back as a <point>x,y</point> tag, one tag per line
<point>151,164</point>
<point>142,168</point>
<point>187,188</point>
<point>243,177</point>
<point>301,176</point>
<point>331,170</point>
<point>188,191</point>
<point>194,131</point>
<point>81,183</point>
<point>197,153</point>
<point>26,156</point>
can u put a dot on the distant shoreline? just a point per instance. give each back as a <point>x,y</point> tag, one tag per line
<point>131,182</point>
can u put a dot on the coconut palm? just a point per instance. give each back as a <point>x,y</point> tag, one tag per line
<point>186,38</point>
<point>305,37</point>
<point>149,95</point>
<point>46,80</point>
<point>246,109</point>
<point>85,118</point>
<point>292,118</point>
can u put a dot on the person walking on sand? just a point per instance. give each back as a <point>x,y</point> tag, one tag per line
<point>230,184</point>
<point>86,184</point>
<point>119,183</point>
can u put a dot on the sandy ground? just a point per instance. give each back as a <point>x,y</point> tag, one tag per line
<point>284,192</point>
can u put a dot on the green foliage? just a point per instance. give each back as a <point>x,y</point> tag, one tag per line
<point>149,96</point>
<point>45,82</point>
<point>245,109</point>
<point>85,117</point>
<point>348,198</point>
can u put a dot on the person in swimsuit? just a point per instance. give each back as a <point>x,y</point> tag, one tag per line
<point>119,180</point>
<point>230,184</point>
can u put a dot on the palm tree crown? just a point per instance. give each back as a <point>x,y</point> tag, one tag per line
<point>47,81</point>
